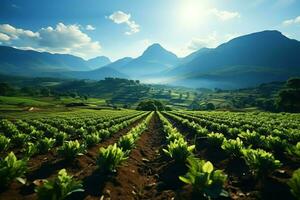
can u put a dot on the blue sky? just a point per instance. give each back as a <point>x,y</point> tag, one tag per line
<point>119,28</point>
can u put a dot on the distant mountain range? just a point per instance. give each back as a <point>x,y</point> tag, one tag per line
<point>242,62</point>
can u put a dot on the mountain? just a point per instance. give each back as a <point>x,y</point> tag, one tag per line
<point>119,64</point>
<point>155,59</point>
<point>244,61</point>
<point>33,63</point>
<point>98,62</point>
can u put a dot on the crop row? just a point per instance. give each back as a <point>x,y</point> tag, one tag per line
<point>13,169</point>
<point>255,149</point>
<point>205,180</point>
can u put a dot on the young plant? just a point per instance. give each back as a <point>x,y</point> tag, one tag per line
<point>30,149</point>
<point>233,147</point>
<point>215,139</point>
<point>20,139</point>
<point>45,144</point>
<point>92,139</point>
<point>69,150</point>
<point>276,144</point>
<point>59,188</point>
<point>126,142</point>
<point>109,158</point>
<point>294,184</point>
<point>205,180</point>
<point>12,169</point>
<point>173,134</point>
<point>294,150</point>
<point>4,143</point>
<point>61,137</point>
<point>260,162</point>
<point>251,138</point>
<point>179,150</point>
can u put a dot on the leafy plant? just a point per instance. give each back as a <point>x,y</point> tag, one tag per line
<point>233,147</point>
<point>294,150</point>
<point>126,142</point>
<point>30,149</point>
<point>4,143</point>
<point>92,139</point>
<point>19,139</point>
<point>109,158</point>
<point>215,139</point>
<point>70,149</point>
<point>59,188</point>
<point>276,144</point>
<point>11,168</point>
<point>260,162</point>
<point>204,179</point>
<point>60,138</point>
<point>294,184</point>
<point>179,150</point>
<point>45,144</point>
<point>251,138</point>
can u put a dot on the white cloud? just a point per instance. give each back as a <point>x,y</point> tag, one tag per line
<point>296,20</point>
<point>90,27</point>
<point>120,17</point>
<point>209,41</point>
<point>4,37</point>
<point>224,15</point>
<point>60,39</point>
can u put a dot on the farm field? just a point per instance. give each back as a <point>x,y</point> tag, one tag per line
<point>128,154</point>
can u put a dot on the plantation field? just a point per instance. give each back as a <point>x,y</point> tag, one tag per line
<point>127,154</point>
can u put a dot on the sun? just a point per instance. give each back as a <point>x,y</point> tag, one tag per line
<point>191,12</point>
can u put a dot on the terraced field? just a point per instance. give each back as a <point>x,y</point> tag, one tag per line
<point>130,154</point>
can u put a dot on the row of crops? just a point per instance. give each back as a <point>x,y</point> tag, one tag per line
<point>64,138</point>
<point>263,145</point>
<point>227,155</point>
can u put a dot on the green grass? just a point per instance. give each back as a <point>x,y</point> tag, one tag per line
<point>23,101</point>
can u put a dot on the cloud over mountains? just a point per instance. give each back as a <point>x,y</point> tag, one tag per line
<point>59,39</point>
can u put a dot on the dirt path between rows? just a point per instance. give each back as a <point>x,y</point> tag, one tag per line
<point>138,176</point>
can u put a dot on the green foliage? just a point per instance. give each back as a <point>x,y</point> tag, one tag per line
<point>294,150</point>
<point>126,142</point>
<point>260,162</point>
<point>276,144</point>
<point>45,144</point>
<point>109,158</point>
<point>59,188</point>
<point>12,169</point>
<point>204,179</point>
<point>294,184</point>
<point>179,150</point>
<point>151,105</point>
<point>60,138</point>
<point>251,138</point>
<point>215,139</point>
<point>30,149</point>
<point>233,147</point>
<point>19,139</point>
<point>70,149</point>
<point>4,143</point>
<point>92,139</point>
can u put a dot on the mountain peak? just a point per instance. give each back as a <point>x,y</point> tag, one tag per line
<point>156,50</point>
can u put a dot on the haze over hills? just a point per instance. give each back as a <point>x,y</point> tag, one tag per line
<point>242,62</point>
<point>98,62</point>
